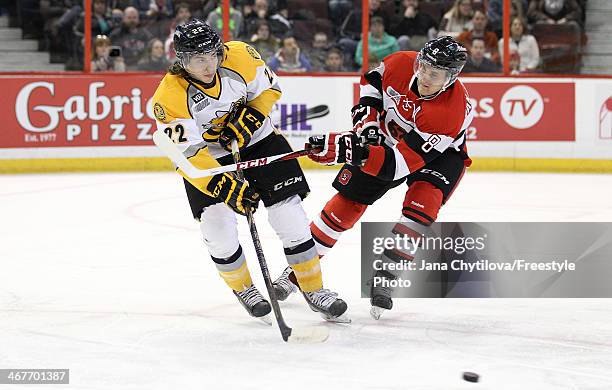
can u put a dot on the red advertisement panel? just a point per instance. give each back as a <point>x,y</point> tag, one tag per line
<point>523,111</point>
<point>97,110</point>
<point>115,110</point>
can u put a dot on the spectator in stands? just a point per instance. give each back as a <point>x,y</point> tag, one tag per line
<point>279,25</point>
<point>479,26</point>
<point>150,9</point>
<point>338,9</point>
<point>554,12</point>
<point>155,60</point>
<point>413,27</point>
<point>29,12</point>
<point>101,22</point>
<point>103,61</point>
<point>182,14</point>
<point>289,58</point>
<point>495,13</point>
<point>264,42</point>
<point>351,26</point>
<point>215,19</point>
<point>116,16</point>
<point>117,7</point>
<point>59,17</point>
<point>131,37</point>
<point>201,8</point>
<point>514,63</point>
<point>380,43</point>
<point>524,44</point>
<point>163,8</point>
<point>119,4</point>
<point>458,19</point>
<point>281,7</point>
<point>317,52</point>
<point>334,61</point>
<point>350,30</point>
<point>478,62</point>
<point>158,18</point>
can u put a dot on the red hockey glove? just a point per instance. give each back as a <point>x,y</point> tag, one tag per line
<point>338,148</point>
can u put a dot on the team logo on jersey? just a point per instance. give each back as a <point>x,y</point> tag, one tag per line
<point>253,52</point>
<point>394,95</point>
<point>406,107</point>
<point>344,177</point>
<point>198,97</point>
<point>201,102</point>
<point>159,112</point>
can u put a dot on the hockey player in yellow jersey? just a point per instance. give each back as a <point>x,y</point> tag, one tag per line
<point>216,93</point>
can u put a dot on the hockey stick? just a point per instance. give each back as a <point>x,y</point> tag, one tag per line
<point>166,145</point>
<point>305,335</point>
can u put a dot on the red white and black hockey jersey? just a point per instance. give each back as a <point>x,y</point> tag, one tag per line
<point>416,130</point>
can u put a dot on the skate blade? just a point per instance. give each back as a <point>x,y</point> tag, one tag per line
<point>376,312</point>
<point>342,319</point>
<point>308,335</point>
<point>265,319</point>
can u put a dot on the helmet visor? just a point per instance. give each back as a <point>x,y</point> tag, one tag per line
<point>200,63</point>
<point>431,74</point>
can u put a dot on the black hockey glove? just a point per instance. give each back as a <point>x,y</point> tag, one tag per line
<point>372,136</point>
<point>366,123</point>
<point>338,148</point>
<point>234,192</point>
<point>242,123</point>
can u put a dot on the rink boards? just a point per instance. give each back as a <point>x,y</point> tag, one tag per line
<point>105,122</point>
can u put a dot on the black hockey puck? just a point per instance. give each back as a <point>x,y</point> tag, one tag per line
<point>471,376</point>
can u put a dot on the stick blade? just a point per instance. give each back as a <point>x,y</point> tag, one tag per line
<point>318,111</point>
<point>308,335</point>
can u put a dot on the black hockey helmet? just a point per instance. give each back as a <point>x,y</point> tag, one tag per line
<point>196,37</point>
<point>444,53</point>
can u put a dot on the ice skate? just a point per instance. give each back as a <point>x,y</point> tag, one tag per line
<point>255,304</point>
<point>380,295</point>
<point>285,284</point>
<point>327,303</point>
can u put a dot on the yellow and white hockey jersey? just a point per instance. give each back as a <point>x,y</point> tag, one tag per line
<point>184,109</point>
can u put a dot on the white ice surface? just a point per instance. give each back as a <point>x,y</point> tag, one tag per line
<point>106,274</point>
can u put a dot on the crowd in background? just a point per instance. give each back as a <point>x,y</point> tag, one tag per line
<point>305,35</point>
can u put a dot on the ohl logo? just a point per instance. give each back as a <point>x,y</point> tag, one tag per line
<point>294,117</point>
<point>522,107</point>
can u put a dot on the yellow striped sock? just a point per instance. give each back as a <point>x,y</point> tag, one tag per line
<point>239,279</point>
<point>309,275</point>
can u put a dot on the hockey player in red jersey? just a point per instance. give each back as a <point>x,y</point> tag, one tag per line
<point>408,127</point>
